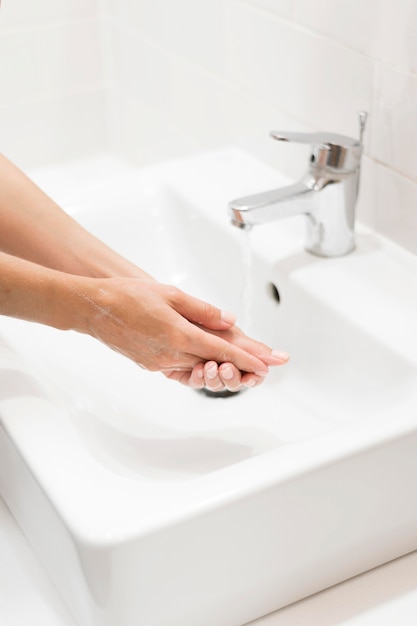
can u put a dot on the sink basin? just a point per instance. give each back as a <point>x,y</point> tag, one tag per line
<point>150,503</point>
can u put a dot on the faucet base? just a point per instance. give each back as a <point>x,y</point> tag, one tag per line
<point>324,240</point>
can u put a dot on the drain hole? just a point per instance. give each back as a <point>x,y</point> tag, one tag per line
<point>219,394</point>
<point>274,292</point>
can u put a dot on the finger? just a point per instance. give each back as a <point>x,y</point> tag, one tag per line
<point>251,380</point>
<point>200,312</point>
<point>235,380</point>
<point>263,352</point>
<point>230,376</point>
<point>196,380</point>
<point>212,379</point>
<point>181,376</point>
<point>214,348</point>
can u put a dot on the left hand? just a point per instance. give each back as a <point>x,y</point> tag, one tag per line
<point>216,377</point>
<point>226,376</point>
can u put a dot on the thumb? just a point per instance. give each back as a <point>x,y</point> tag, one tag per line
<point>202,313</point>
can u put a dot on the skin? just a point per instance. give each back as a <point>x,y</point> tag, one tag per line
<point>55,272</point>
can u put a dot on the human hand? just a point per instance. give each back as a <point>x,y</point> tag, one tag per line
<point>215,377</point>
<point>163,329</point>
<point>226,376</point>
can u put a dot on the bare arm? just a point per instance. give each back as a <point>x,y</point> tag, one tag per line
<point>34,227</point>
<point>55,272</point>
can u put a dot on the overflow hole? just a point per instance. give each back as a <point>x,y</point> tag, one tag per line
<point>274,292</point>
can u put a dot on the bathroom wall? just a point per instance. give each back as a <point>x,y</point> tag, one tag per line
<point>52,80</point>
<point>154,79</point>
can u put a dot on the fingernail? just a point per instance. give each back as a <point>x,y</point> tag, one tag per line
<point>228,317</point>
<point>211,371</point>
<point>251,382</point>
<point>200,373</point>
<point>226,372</point>
<point>262,373</point>
<point>278,354</point>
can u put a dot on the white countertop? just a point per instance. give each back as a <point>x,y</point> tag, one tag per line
<point>385,596</point>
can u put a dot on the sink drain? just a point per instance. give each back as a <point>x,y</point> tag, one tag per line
<point>219,394</point>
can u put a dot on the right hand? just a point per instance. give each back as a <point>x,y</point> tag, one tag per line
<point>161,328</point>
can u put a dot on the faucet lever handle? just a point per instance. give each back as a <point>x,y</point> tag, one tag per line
<point>362,117</point>
<point>317,139</point>
<point>331,153</point>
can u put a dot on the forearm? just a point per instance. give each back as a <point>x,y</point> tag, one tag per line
<point>39,294</point>
<point>33,227</point>
<point>157,326</point>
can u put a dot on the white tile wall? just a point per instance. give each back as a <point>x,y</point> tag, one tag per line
<point>71,56</point>
<point>52,80</point>
<point>190,27</point>
<point>283,8</point>
<point>20,67</point>
<point>157,78</point>
<point>46,130</point>
<point>394,128</point>
<point>349,23</point>
<point>312,77</point>
<point>18,13</point>
<point>395,38</point>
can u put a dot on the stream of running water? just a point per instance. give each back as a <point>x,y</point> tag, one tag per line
<point>247,286</point>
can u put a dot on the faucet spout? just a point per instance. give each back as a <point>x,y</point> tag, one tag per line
<point>271,205</point>
<point>328,204</point>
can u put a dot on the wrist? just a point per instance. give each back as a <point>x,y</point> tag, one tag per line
<point>39,294</point>
<point>75,302</point>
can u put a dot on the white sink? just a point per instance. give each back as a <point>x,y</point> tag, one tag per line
<point>150,503</point>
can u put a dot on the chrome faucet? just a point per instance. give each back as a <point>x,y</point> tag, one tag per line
<point>327,193</point>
